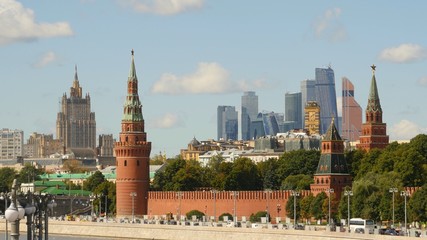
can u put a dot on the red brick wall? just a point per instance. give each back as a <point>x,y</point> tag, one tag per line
<point>247,203</point>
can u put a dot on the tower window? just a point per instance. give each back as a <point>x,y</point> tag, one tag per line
<point>126,163</point>
<point>137,162</point>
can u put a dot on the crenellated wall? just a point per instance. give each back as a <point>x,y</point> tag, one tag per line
<point>210,203</point>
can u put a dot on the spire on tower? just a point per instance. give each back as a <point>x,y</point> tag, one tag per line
<point>76,78</point>
<point>374,99</point>
<point>132,72</point>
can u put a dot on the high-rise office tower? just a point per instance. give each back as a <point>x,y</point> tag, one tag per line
<point>132,155</point>
<point>326,97</point>
<point>11,143</point>
<point>227,121</point>
<point>308,93</point>
<point>249,112</point>
<point>293,109</point>
<point>75,124</point>
<point>374,131</point>
<point>351,112</point>
<point>312,117</point>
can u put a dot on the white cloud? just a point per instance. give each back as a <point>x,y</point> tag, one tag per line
<point>162,7</point>
<point>18,24</point>
<point>423,81</point>
<point>208,78</point>
<point>405,130</point>
<point>328,26</point>
<point>169,120</point>
<point>403,53</point>
<point>46,59</point>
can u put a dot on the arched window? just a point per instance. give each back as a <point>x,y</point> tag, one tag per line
<point>126,163</point>
<point>137,162</point>
<point>126,139</point>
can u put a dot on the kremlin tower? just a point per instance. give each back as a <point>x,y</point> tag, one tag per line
<point>132,155</point>
<point>332,171</point>
<point>374,131</point>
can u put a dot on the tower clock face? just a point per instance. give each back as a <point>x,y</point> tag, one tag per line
<point>311,116</point>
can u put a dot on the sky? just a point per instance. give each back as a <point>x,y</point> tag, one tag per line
<point>193,55</point>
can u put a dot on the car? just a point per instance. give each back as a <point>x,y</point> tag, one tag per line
<point>390,231</point>
<point>299,227</point>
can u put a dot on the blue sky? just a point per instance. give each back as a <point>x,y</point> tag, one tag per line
<point>193,55</point>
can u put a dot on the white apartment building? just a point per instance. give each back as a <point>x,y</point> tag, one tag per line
<point>11,143</point>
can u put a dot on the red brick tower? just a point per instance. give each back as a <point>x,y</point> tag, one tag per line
<point>132,155</point>
<point>374,131</point>
<point>332,171</point>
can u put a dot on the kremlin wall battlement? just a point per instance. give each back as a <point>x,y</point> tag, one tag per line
<point>216,203</point>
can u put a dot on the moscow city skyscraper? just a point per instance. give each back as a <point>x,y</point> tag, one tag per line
<point>76,124</point>
<point>326,97</point>
<point>249,113</point>
<point>293,109</point>
<point>227,123</point>
<point>351,112</point>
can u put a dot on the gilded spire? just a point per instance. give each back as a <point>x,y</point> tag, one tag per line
<point>76,90</point>
<point>76,78</point>
<point>374,99</point>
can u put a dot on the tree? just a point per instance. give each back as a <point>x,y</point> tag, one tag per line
<point>93,181</point>
<point>290,207</point>
<point>29,174</point>
<point>243,176</point>
<point>199,215</point>
<point>297,162</point>
<point>188,178</point>
<point>305,204</point>
<point>418,205</point>
<point>7,175</point>
<point>267,170</point>
<point>297,182</point>
<point>228,215</point>
<point>164,180</point>
<point>73,166</point>
<point>108,189</point>
<point>158,159</point>
<point>257,216</point>
<point>316,206</point>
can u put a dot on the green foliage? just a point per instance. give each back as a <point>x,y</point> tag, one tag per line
<point>297,182</point>
<point>316,207</point>
<point>221,217</point>
<point>29,174</point>
<point>305,205</point>
<point>244,175</point>
<point>298,162</point>
<point>6,178</point>
<point>267,170</point>
<point>418,205</point>
<point>164,180</point>
<point>158,159</point>
<point>188,178</point>
<point>93,181</point>
<point>290,207</point>
<point>199,215</point>
<point>257,216</point>
<point>106,189</point>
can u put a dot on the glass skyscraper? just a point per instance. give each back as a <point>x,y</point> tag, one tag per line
<point>293,109</point>
<point>326,97</point>
<point>249,112</point>
<point>227,121</point>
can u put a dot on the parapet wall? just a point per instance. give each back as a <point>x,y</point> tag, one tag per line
<point>217,203</point>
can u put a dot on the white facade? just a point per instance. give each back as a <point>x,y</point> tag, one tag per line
<point>11,143</point>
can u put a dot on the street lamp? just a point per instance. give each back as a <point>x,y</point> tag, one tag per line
<point>330,191</point>
<point>5,196</point>
<point>14,213</point>
<point>268,191</point>
<point>133,195</point>
<point>214,192</point>
<point>405,194</point>
<point>295,194</point>
<point>348,193</point>
<point>106,209</point>
<point>179,195</point>
<point>393,190</point>
<point>234,194</point>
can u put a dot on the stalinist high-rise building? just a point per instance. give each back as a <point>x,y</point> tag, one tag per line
<point>132,155</point>
<point>76,124</point>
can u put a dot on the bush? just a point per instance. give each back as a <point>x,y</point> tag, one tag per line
<point>199,215</point>
<point>257,217</point>
<point>230,217</point>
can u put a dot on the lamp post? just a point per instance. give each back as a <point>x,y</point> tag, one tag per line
<point>234,194</point>
<point>4,196</point>
<point>348,193</point>
<point>214,192</point>
<point>393,190</point>
<point>92,198</point>
<point>106,209</point>
<point>14,213</point>
<point>268,191</point>
<point>295,194</point>
<point>179,195</point>
<point>133,195</point>
<point>405,194</point>
<point>330,191</point>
